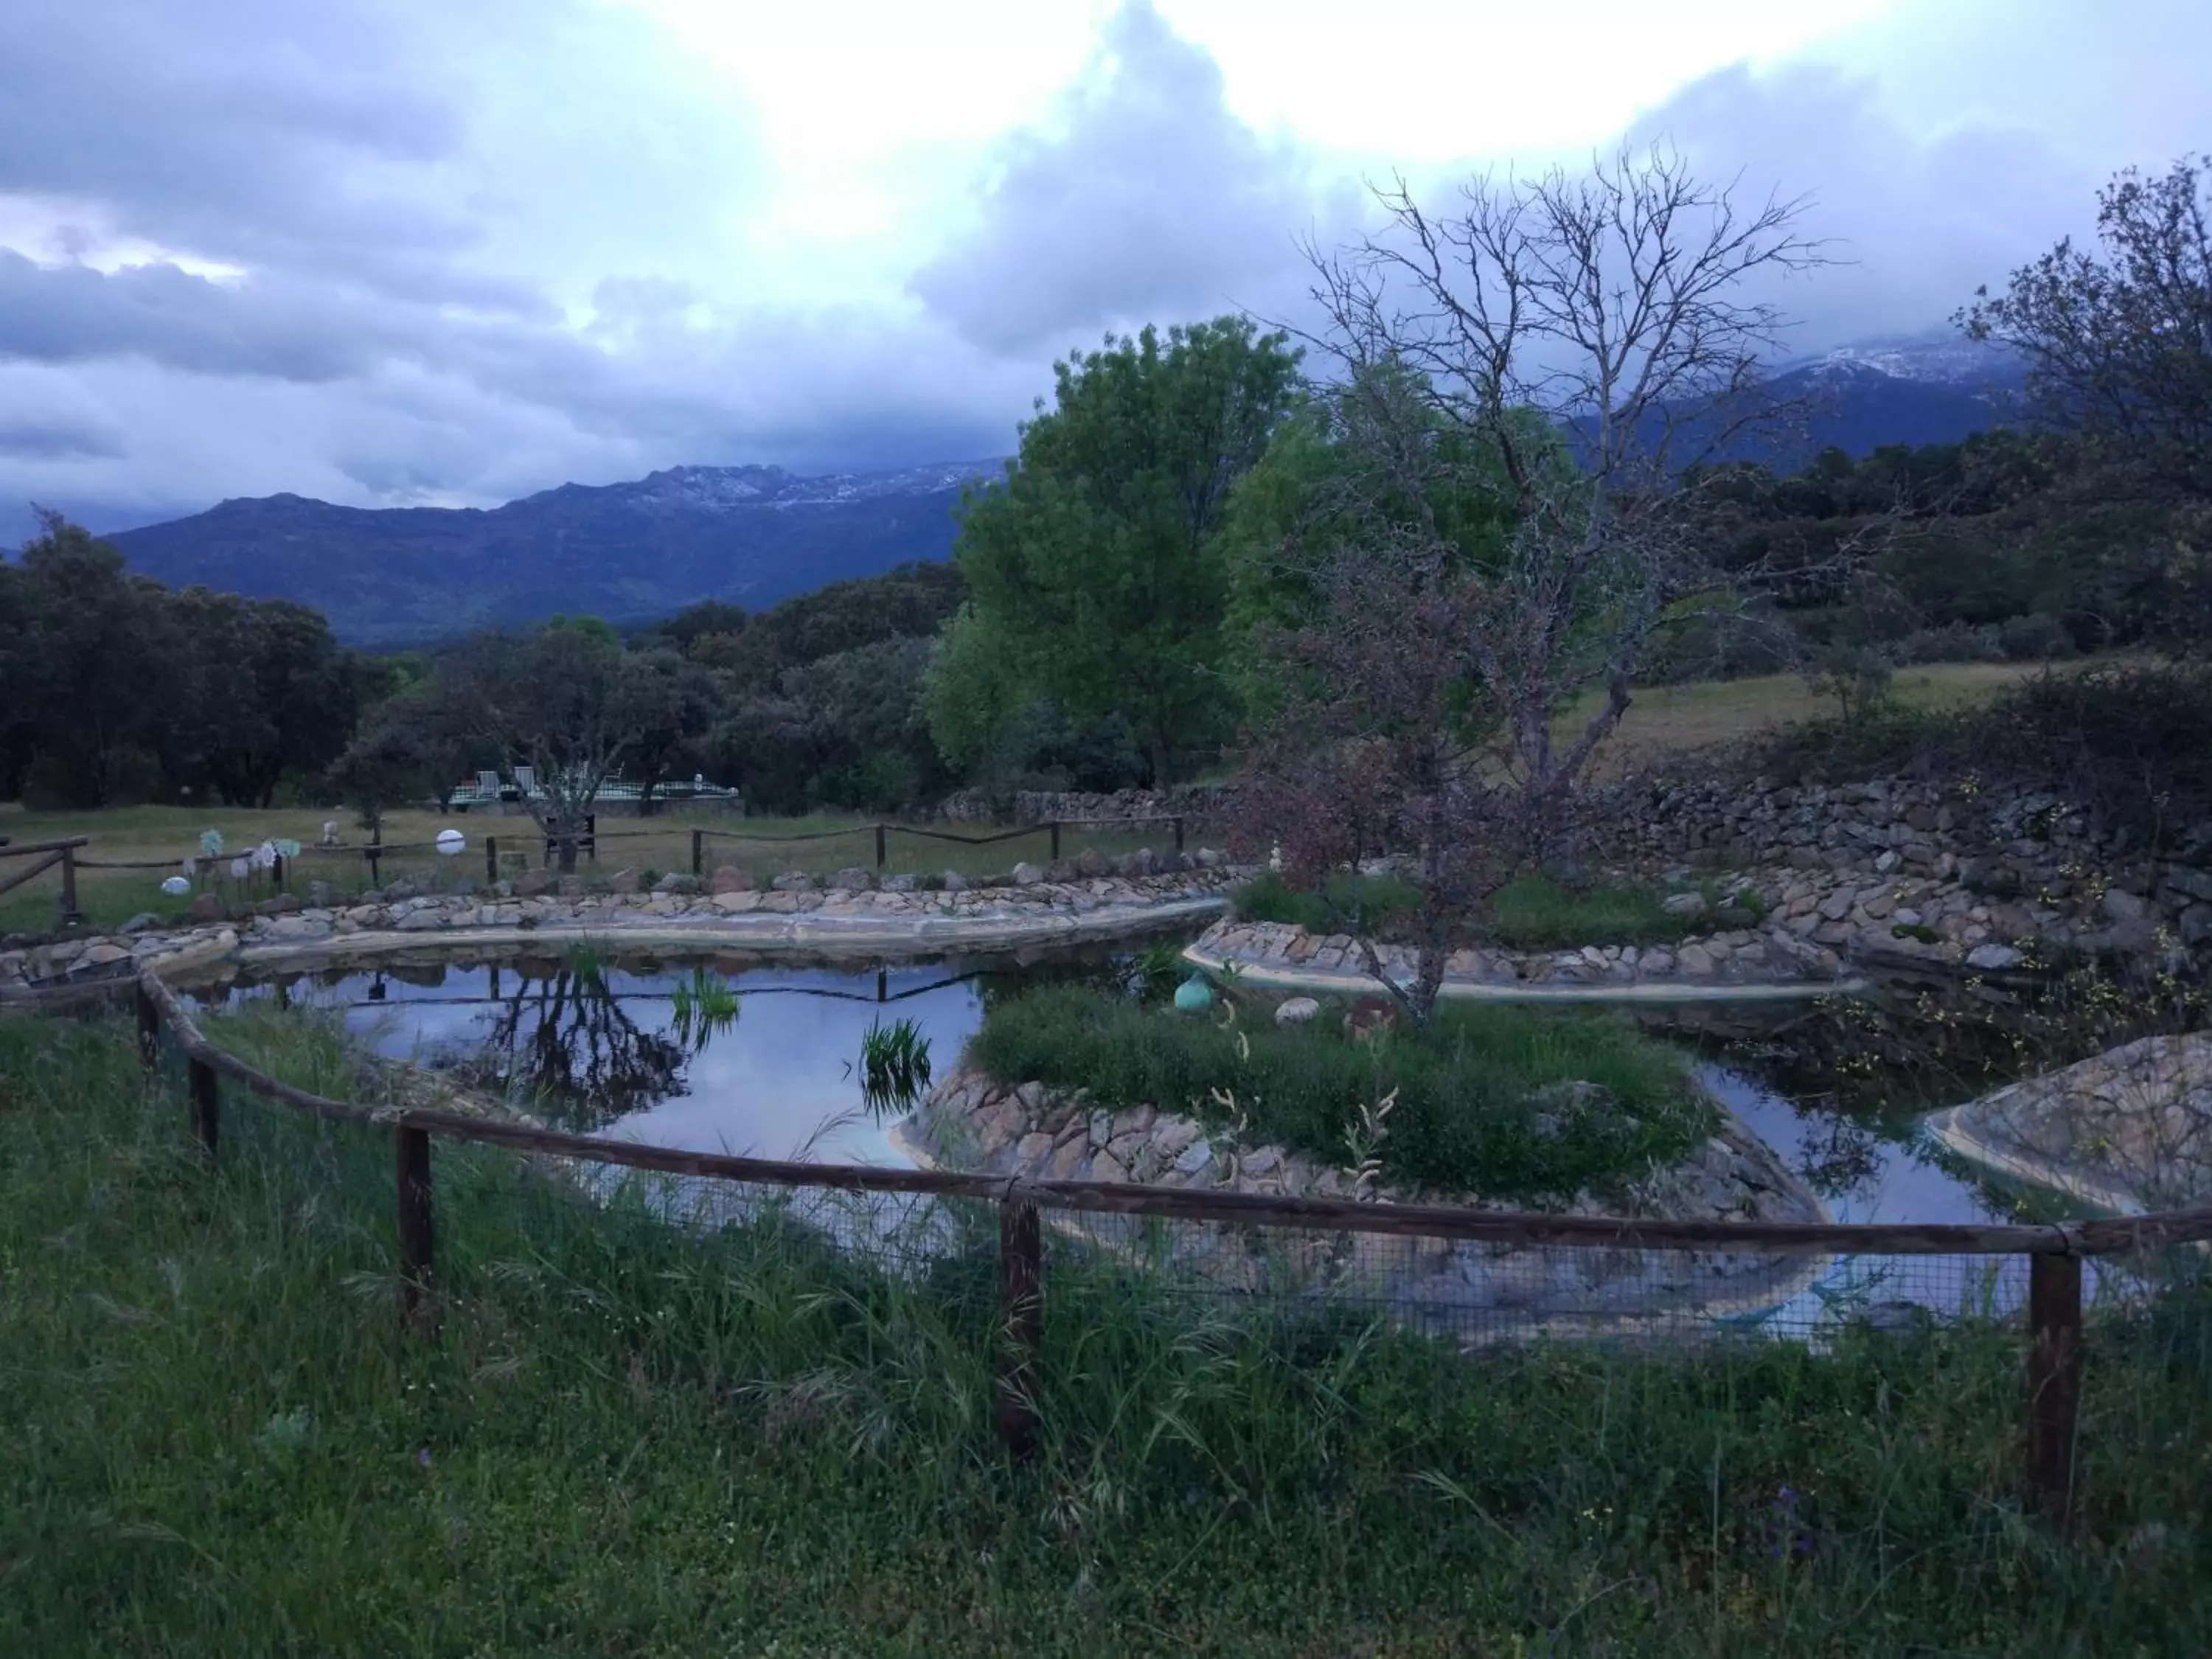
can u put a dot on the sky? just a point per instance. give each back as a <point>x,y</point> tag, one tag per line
<point>409,253</point>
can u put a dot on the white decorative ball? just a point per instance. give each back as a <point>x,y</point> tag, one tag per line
<point>450,843</point>
<point>176,887</point>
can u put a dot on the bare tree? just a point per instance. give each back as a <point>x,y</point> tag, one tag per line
<point>1603,340</point>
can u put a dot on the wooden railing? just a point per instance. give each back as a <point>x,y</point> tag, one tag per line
<point>48,854</point>
<point>2055,1251</point>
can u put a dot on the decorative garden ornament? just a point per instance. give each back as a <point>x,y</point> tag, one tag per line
<point>1194,996</point>
<point>450,843</point>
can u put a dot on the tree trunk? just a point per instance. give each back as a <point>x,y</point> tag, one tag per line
<point>1159,763</point>
<point>565,846</point>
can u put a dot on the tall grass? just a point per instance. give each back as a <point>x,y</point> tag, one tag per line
<point>631,1437</point>
<point>1473,1114</point>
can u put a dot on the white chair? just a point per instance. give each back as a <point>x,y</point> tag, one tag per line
<point>487,785</point>
<point>525,780</point>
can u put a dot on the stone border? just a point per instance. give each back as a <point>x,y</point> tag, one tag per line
<point>1290,959</point>
<point>2099,1123</point>
<point>832,926</point>
<point>973,1125</point>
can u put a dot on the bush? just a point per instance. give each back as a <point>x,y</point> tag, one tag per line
<point>1535,913</point>
<point>2036,638</point>
<point>1383,903</point>
<point>1469,1116</point>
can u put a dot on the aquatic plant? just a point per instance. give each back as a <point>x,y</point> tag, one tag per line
<point>895,1068</point>
<point>705,1007</point>
<point>584,958</point>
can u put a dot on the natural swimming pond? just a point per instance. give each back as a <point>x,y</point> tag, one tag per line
<point>622,1048</point>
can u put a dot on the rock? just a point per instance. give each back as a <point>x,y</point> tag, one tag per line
<point>900,883</point>
<point>100,953</point>
<point>1877,906</point>
<point>794,881</point>
<point>852,879</point>
<point>677,881</point>
<point>953,882</point>
<point>1994,958</point>
<point>1837,905</point>
<point>1107,1167</point>
<point>210,907</point>
<point>2121,906</point>
<point>1296,1012</point>
<point>318,896</point>
<point>1194,1157</point>
<point>1209,858</point>
<point>623,881</point>
<point>1091,864</point>
<point>2196,925</point>
<point>140,923</point>
<point>1684,904</point>
<point>1027,874</point>
<point>2187,879</point>
<point>1062,872</point>
<point>728,878</point>
<point>1696,960</point>
<point>531,884</point>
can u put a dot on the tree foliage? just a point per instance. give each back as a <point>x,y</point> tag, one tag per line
<point>1094,570</point>
<point>120,690</point>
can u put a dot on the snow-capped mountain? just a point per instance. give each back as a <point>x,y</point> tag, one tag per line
<point>629,552</point>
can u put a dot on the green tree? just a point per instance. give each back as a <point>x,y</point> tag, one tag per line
<point>567,701</point>
<point>1096,570</point>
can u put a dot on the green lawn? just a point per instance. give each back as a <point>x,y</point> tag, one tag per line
<point>214,1440</point>
<point>769,847</point>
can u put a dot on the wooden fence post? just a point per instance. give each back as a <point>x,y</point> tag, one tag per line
<point>70,914</point>
<point>1178,829</point>
<point>591,836</point>
<point>879,847</point>
<point>374,852</point>
<point>1056,841</point>
<point>491,858</point>
<point>1021,1296</point>
<point>2054,1382</point>
<point>149,1031</point>
<point>415,1230</point>
<point>698,852</point>
<point>207,1106</point>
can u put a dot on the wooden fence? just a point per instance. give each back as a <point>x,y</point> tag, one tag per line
<point>48,854</point>
<point>2056,1252</point>
<point>375,850</point>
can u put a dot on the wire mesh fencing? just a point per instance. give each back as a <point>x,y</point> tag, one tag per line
<point>2044,1341</point>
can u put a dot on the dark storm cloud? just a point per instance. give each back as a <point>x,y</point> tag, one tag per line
<point>61,313</point>
<point>34,441</point>
<point>1914,223</point>
<point>1151,199</point>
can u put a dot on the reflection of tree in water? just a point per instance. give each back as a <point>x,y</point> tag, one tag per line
<point>564,1042</point>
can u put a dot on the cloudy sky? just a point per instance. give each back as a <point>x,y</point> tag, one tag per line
<point>416,252</point>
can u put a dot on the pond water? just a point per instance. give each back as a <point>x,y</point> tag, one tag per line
<point>612,1049</point>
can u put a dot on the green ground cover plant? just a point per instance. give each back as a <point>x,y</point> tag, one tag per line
<point>1479,1108</point>
<point>1533,913</point>
<point>630,1437</point>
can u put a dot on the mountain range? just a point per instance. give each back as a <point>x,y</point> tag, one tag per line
<point>755,535</point>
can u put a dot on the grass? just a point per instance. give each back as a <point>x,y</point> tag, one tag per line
<point>1470,1106</point>
<point>1699,714</point>
<point>819,845</point>
<point>626,1439</point>
<point>1533,913</point>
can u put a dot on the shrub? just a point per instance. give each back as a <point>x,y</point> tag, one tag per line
<point>1471,1115</point>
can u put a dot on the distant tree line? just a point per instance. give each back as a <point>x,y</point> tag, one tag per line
<point>115,690</point>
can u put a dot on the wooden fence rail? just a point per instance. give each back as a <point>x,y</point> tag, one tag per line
<point>48,854</point>
<point>2055,1251</point>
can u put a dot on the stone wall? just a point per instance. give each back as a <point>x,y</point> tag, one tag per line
<point>1197,804</point>
<point>1027,1131</point>
<point>2022,847</point>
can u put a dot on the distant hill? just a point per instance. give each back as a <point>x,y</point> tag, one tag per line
<point>756,535</point>
<point>628,552</point>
